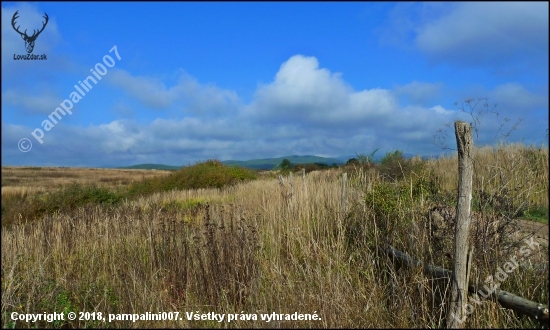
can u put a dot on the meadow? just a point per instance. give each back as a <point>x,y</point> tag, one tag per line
<point>216,239</point>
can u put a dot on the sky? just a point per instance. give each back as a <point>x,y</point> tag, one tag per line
<point>176,83</point>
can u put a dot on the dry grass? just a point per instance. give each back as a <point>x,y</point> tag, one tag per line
<point>518,171</point>
<point>18,180</point>
<point>254,248</point>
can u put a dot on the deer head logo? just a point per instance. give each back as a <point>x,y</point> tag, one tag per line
<point>29,40</point>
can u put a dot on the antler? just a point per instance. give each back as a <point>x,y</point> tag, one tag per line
<point>43,26</point>
<point>17,28</point>
<point>24,34</point>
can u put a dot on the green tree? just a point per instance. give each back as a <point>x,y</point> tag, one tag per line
<point>285,164</point>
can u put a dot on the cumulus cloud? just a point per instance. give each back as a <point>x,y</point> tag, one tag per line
<point>308,98</point>
<point>302,92</point>
<point>194,97</point>
<point>306,109</point>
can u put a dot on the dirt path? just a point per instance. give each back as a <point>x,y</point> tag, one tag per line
<point>539,230</point>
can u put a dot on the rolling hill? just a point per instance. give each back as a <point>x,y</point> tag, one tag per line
<point>257,164</point>
<point>270,163</point>
<point>151,167</point>
<point>266,163</point>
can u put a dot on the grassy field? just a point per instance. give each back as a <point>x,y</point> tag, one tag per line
<point>20,180</point>
<point>211,238</point>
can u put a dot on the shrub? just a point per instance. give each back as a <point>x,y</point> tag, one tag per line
<point>208,174</point>
<point>394,166</point>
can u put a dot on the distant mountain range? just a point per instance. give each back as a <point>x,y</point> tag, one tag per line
<point>257,164</point>
<point>262,164</point>
<point>270,163</point>
<point>151,167</point>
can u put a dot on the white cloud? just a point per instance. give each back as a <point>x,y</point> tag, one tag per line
<point>188,93</point>
<point>439,109</point>
<point>485,29</point>
<point>473,33</point>
<point>30,102</point>
<point>515,95</point>
<point>305,110</point>
<point>152,92</point>
<point>311,95</point>
<point>301,90</point>
<point>207,99</point>
<point>420,93</point>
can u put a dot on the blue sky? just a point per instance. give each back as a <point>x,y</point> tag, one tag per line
<point>247,80</point>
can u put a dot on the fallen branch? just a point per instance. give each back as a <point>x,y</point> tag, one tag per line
<point>504,298</point>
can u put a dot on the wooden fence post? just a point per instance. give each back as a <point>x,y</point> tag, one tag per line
<point>459,281</point>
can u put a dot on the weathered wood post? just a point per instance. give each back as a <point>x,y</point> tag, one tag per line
<point>283,188</point>
<point>459,280</point>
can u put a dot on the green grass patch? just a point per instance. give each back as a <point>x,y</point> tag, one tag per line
<point>32,206</point>
<point>538,214</point>
<point>184,205</point>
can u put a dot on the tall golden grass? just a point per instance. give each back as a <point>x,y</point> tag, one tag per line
<point>520,171</point>
<point>253,248</point>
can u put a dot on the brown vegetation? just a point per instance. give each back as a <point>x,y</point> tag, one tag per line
<point>247,248</point>
<point>19,180</point>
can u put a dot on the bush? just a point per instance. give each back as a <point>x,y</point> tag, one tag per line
<point>78,195</point>
<point>208,174</point>
<point>394,166</point>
